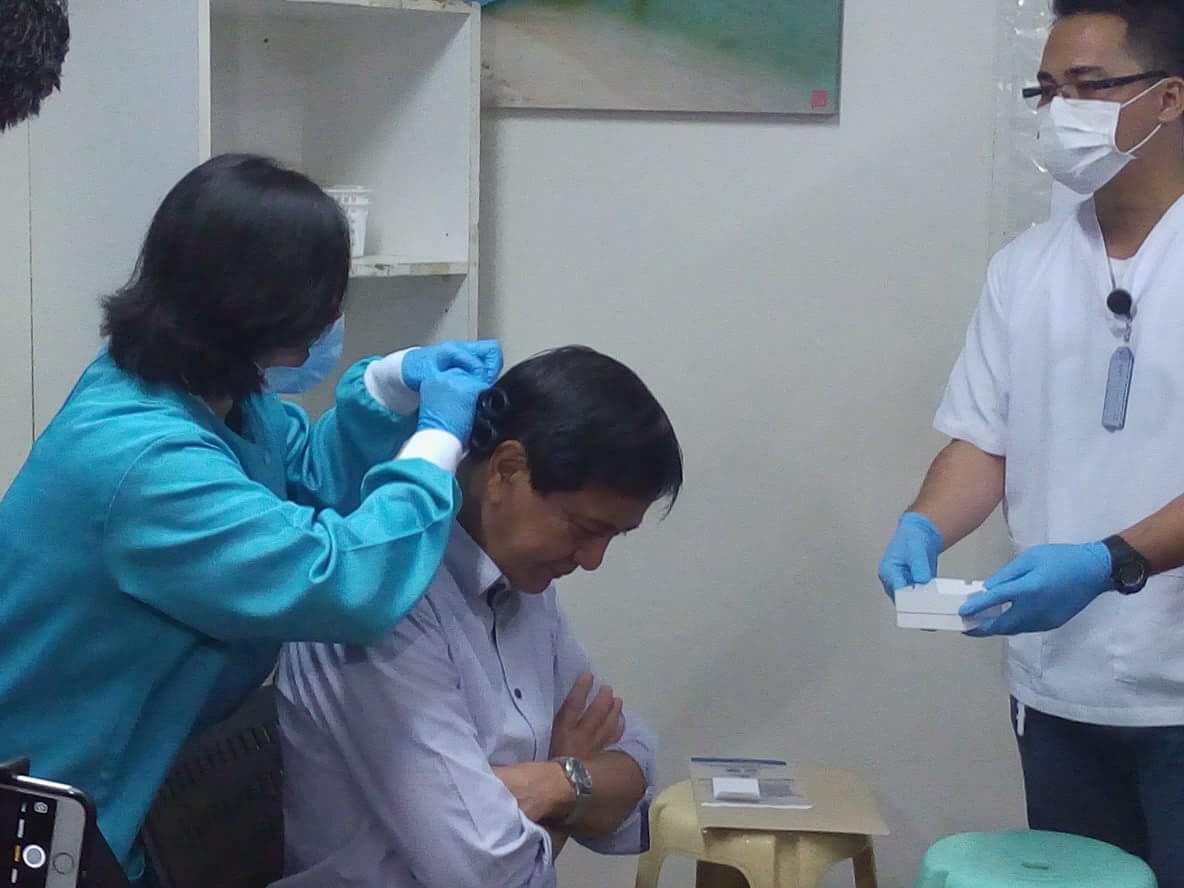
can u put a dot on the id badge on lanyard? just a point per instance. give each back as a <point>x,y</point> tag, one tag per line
<point>1118,389</point>
<point>1122,362</point>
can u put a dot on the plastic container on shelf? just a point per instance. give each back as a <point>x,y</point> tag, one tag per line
<point>355,202</point>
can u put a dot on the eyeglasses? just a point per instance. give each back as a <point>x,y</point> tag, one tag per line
<point>1084,89</point>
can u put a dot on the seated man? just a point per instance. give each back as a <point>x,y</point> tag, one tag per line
<point>465,748</point>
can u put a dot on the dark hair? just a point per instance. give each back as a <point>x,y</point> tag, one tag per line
<point>243,257</point>
<point>1154,28</point>
<point>34,39</point>
<point>583,419</point>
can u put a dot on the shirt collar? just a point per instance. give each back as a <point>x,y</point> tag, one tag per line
<point>473,570</point>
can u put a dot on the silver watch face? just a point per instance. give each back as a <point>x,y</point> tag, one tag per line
<point>579,776</point>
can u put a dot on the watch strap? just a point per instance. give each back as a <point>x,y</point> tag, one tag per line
<point>1123,558</point>
<point>577,776</point>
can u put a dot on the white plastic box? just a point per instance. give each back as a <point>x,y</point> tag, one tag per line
<point>935,606</point>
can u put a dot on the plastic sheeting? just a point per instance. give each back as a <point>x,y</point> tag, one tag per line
<point>1022,193</point>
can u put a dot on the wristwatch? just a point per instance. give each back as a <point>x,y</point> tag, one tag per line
<point>581,782</point>
<point>1129,569</point>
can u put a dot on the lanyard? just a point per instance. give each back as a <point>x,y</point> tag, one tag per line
<point>1122,362</point>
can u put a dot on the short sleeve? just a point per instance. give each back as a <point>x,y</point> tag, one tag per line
<point>974,408</point>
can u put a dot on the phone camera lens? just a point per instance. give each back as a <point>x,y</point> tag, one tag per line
<point>34,857</point>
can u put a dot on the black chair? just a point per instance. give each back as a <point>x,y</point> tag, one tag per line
<point>218,820</point>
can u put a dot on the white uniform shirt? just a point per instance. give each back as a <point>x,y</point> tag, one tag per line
<point>1029,386</point>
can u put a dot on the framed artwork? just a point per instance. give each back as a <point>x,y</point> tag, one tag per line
<point>729,56</point>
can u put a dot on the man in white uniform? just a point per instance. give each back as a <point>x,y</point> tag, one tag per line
<point>1065,405</point>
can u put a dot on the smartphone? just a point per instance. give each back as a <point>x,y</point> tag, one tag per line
<point>42,827</point>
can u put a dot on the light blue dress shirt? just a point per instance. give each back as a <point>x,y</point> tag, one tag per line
<point>153,559</point>
<point>389,749</point>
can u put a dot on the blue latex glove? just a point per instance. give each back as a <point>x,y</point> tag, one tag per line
<point>489,351</point>
<point>1046,586</point>
<point>448,402</point>
<point>911,556</point>
<point>483,358</point>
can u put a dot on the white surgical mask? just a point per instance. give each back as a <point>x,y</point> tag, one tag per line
<point>1077,141</point>
<point>323,356</point>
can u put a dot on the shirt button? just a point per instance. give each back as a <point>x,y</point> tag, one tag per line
<point>518,693</point>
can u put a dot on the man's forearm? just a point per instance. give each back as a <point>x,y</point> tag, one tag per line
<point>618,785</point>
<point>963,487</point>
<point>545,796</point>
<point>1160,537</point>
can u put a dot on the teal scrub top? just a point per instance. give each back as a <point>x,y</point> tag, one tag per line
<point>153,560</point>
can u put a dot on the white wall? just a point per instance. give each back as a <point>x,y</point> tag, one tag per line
<point>104,152</point>
<point>795,293</point>
<point>16,376</point>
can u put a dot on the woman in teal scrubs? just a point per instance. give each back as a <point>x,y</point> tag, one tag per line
<point>177,521</point>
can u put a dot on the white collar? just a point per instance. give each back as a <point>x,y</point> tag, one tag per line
<point>473,570</point>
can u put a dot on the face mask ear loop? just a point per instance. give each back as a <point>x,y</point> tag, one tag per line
<point>1144,92</point>
<point>1152,134</point>
<point>1134,151</point>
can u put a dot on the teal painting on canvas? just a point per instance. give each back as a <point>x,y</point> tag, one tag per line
<point>741,56</point>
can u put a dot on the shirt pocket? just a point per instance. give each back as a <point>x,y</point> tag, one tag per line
<point>1148,642</point>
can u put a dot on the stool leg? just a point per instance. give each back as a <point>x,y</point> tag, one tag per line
<point>762,869</point>
<point>714,875</point>
<point>865,867</point>
<point>649,868</point>
<point>812,866</point>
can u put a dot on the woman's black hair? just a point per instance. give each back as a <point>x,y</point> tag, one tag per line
<point>583,419</point>
<point>34,40</point>
<point>243,257</point>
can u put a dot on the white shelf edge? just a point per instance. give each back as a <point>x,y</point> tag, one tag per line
<point>454,7</point>
<point>401,266</point>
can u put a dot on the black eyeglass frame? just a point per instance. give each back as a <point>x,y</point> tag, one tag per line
<point>1036,92</point>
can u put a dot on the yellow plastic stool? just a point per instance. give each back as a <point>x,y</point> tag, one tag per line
<point>733,858</point>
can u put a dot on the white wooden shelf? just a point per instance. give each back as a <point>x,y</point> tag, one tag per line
<point>315,8</point>
<point>382,94</point>
<point>401,266</point>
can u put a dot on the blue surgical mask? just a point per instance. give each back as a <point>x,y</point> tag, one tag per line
<point>323,356</point>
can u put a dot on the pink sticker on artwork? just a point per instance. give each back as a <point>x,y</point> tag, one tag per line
<point>819,98</point>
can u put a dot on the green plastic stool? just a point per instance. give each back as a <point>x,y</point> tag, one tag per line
<point>1025,857</point>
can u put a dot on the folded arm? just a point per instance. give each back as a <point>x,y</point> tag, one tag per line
<point>615,820</point>
<point>398,716</point>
